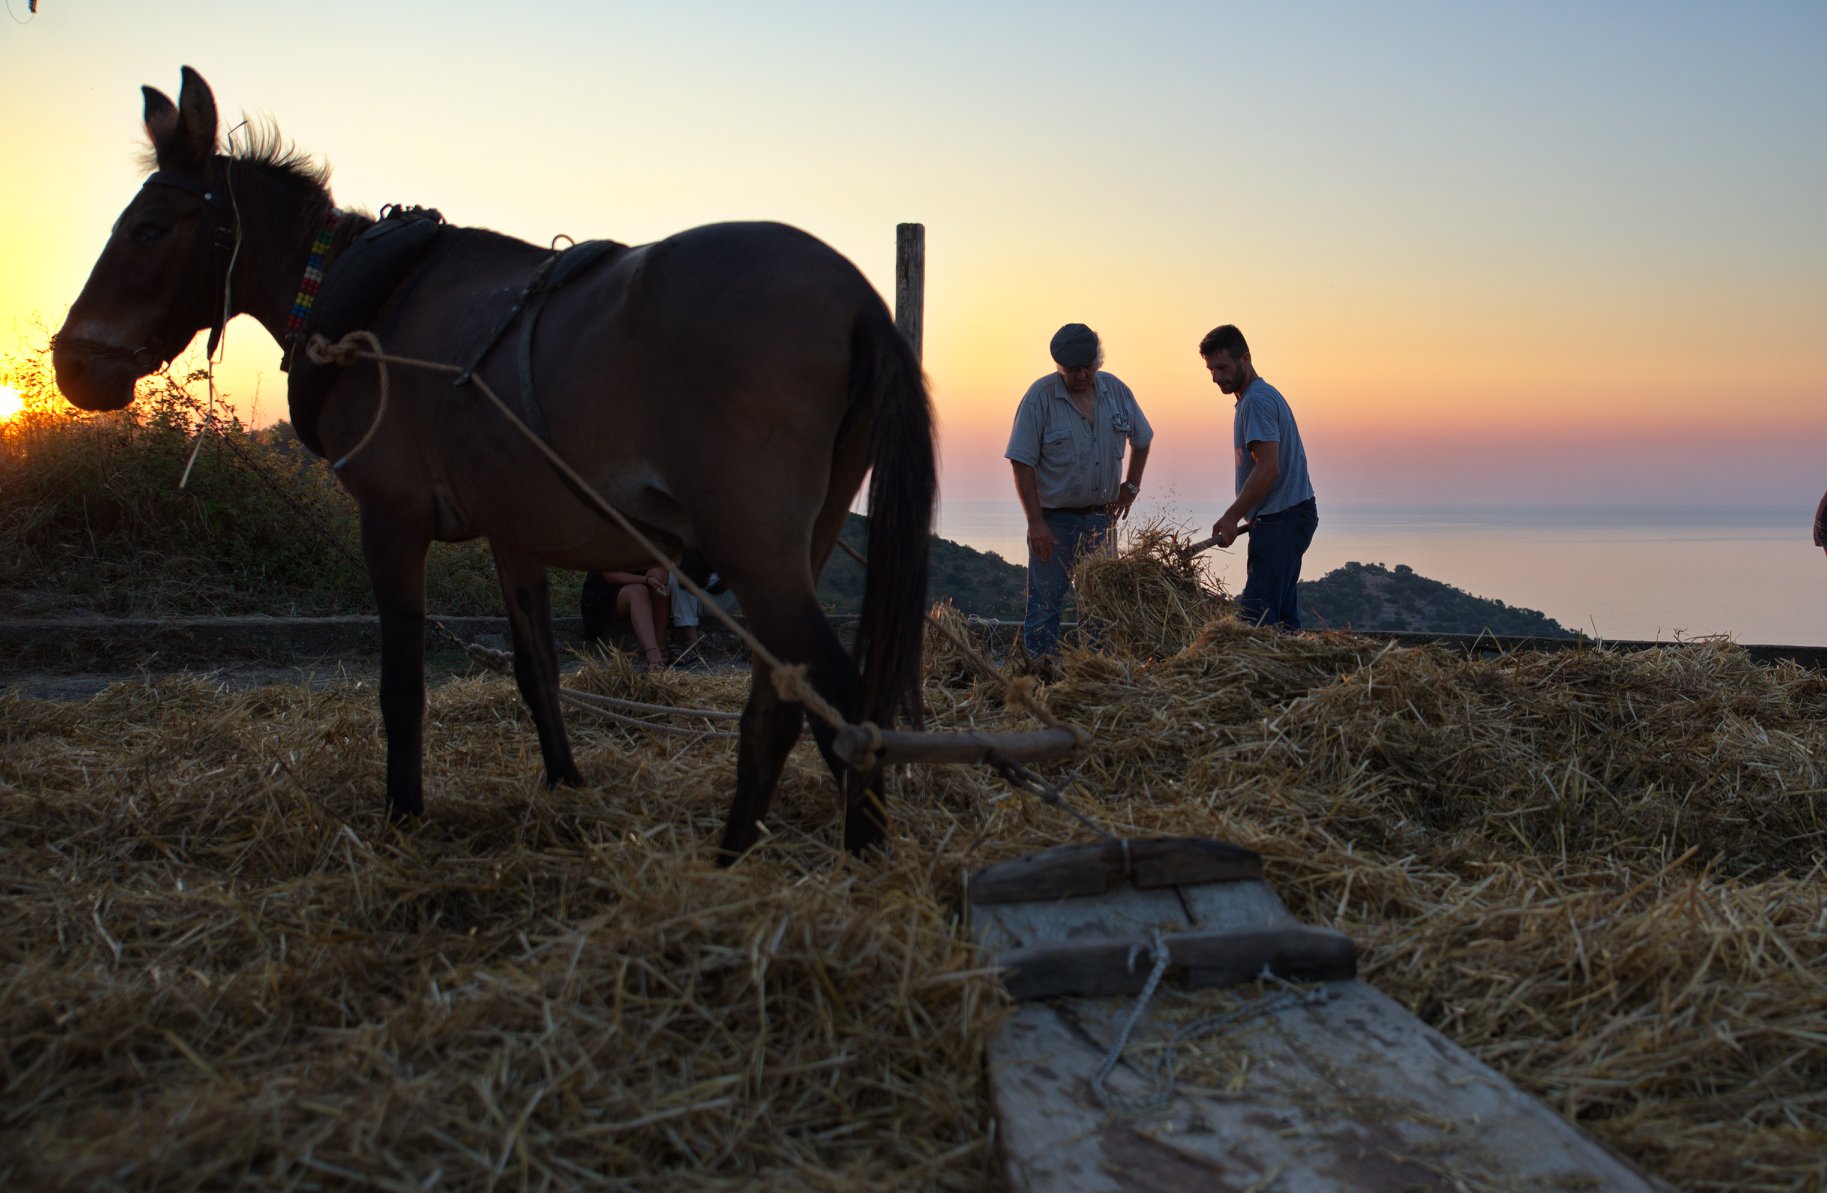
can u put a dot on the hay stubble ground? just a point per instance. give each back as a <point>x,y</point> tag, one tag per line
<point>220,967</point>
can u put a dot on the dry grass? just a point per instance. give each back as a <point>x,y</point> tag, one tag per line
<point>219,966</point>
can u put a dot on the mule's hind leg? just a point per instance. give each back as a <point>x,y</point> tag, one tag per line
<point>795,630</point>
<point>770,727</point>
<point>529,610</point>
<point>396,567</point>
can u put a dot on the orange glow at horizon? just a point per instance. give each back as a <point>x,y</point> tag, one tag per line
<point>11,403</point>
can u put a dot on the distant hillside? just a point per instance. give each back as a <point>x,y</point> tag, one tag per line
<point>1357,596</point>
<point>1369,596</point>
<point>979,582</point>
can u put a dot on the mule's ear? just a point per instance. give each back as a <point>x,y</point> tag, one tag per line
<point>197,120</point>
<point>161,125</point>
<point>183,136</point>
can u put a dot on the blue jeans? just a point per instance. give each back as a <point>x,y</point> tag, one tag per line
<point>1074,535</point>
<point>1277,541</point>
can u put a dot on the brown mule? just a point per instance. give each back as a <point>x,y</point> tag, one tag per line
<point>727,388</point>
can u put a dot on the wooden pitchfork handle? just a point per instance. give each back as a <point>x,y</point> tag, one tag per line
<point>1192,549</point>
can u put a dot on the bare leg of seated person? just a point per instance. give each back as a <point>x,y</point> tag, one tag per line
<point>638,604</point>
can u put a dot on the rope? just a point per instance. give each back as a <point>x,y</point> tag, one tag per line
<point>348,356</point>
<point>1161,1080</point>
<point>1157,945</point>
<point>1021,692</point>
<point>789,681</point>
<point>1022,779</point>
<point>499,661</point>
<point>706,714</point>
<point>582,700</point>
<point>502,662</point>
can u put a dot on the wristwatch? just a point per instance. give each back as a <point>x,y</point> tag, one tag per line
<point>1131,488</point>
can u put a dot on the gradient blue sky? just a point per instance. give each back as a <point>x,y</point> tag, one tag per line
<point>1545,252</point>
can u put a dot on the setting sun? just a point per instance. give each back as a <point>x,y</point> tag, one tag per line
<point>10,402</point>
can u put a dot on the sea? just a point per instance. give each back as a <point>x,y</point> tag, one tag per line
<point>1659,573</point>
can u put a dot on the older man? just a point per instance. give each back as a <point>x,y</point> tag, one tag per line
<point>1067,452</point>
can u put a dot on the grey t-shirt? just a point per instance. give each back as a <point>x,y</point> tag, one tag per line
<point>1076,462</point>
<point>1263,416</point>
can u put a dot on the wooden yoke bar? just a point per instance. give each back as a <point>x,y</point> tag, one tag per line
<point>906,745</point>
<point>1091,868</point>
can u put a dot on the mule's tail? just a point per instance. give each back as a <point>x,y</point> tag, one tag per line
<point>903,489</point>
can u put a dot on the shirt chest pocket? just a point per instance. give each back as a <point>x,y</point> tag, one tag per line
<point>1057,438</point>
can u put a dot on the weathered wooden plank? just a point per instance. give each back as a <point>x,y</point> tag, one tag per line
<point>1094,867</point>
<point>1350,1094</point>
<point>1235,907</point>
<point>1100,968</point>
<point>1126,914</point>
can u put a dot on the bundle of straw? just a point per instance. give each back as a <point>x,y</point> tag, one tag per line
<point>1147,599</point>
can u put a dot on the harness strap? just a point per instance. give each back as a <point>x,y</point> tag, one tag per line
<point>215,250</point>
<point>554,273</point>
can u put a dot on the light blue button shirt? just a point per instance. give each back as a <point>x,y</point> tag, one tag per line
<point>1076,461</point>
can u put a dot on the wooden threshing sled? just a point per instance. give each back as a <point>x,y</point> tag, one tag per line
<point>1327,1085</point>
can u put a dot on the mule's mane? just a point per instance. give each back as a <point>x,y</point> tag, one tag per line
<point>257,141</point>
<point>262,144</point>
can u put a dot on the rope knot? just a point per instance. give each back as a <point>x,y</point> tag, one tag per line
<point>870,756</point>
<point>494,660</point>
<point>790,682</point>
<point>345,351</point>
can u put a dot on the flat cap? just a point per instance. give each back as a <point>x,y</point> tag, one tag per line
<point>1074,346</point>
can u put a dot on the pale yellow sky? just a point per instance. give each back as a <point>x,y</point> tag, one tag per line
<point>1546,252</point>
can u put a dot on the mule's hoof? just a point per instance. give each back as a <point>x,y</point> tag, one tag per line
<point>728,856</point>
<point>865,837</point>
<point>879,850</point>
<point>736,842</point>
<point>403,812</point>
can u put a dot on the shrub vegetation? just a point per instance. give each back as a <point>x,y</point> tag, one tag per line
<point>174,508</point>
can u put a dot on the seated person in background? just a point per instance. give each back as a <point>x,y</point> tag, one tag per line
<point>687,612</point>
<point>644,598</point>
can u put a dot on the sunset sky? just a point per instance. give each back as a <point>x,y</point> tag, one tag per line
<point>1565,253</point>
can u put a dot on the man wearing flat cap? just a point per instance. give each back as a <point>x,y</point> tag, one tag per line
<point>1067,452</point>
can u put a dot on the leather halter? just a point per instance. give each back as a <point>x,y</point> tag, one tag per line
<point>215,249</point>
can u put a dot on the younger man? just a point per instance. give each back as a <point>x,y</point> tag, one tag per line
<point>1274,496</point>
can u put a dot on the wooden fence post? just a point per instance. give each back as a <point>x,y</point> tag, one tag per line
<point>910,282</point>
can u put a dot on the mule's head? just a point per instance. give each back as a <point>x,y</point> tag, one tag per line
<point>162,271</point>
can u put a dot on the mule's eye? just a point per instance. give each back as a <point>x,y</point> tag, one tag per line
<point>150,233</point>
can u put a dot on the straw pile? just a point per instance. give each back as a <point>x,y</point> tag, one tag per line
<point>219,966</point>
<point>1148,600</point>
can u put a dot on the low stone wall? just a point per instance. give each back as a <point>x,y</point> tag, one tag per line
<point>179,642</point>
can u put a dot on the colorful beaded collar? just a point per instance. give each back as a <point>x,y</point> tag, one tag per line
<point>313,277</point>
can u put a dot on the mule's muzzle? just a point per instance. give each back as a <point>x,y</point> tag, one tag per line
<point>98,377</point>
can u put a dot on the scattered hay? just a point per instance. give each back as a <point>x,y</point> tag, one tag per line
<point>219,965</point>
<point>1148,599</point>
